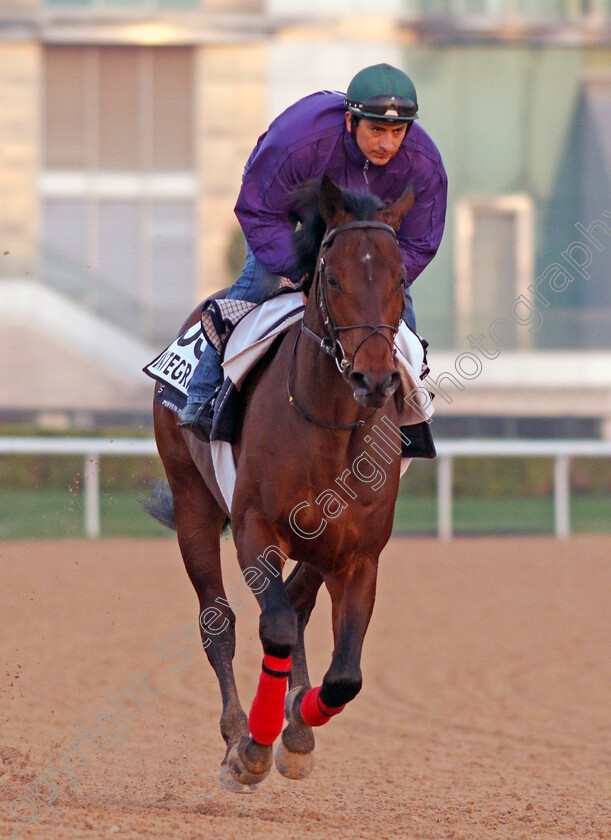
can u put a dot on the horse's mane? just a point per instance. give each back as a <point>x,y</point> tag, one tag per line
<point>362,206</point>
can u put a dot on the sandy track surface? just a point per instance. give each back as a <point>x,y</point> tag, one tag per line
<point>485,711</point>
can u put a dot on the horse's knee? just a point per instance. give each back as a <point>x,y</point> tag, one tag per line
<point>278,632</point>
<point>216,623</point>
<point>337,691</point>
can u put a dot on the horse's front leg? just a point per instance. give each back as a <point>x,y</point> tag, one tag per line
<point>352,597</point>
<point>261,560</point>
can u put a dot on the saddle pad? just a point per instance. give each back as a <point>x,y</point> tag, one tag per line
<point>175,365</point>
<point>257,331</point>
<point>219,319</point>
<point>169,397</point>
<point>249,341</point>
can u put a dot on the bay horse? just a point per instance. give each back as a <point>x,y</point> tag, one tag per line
<point>308,486</point>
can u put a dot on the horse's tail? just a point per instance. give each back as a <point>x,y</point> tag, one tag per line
<point>160,505</point>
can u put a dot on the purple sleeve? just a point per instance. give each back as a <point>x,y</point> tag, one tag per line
<point>422,228</point>
<point>262,207</point>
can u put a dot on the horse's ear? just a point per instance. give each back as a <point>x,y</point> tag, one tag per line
<point>330,202</point>
<point>393,215</point>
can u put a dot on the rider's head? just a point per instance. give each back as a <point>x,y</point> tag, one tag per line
<point>381,105</point>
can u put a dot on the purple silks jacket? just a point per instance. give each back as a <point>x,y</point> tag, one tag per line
<point>310,139</point>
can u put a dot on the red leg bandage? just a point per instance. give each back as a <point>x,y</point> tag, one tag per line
<point>314,712</point>
<point>267,710</point>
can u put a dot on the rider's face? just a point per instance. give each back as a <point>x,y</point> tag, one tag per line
<point>378,140</point>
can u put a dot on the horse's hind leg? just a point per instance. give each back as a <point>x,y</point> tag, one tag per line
<point>302,588</point>
<point>199,522</point>
<point>352,598</point>
<point>294,755</point>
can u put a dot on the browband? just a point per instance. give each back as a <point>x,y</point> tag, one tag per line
<point>358,224</point>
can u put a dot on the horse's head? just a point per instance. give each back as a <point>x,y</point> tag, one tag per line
<point>358,289</point>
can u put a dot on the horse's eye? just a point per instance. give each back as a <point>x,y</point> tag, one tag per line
<point>403,278</point>
<point>332,281</point>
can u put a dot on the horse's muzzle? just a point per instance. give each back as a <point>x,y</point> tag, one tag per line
<point>373,388</point>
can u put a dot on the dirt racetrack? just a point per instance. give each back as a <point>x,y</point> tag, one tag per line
<point>485,711</point>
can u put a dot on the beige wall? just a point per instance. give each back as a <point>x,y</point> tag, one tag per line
<point>231,114</point>
<point>233,5</point>
<point>19,7</point>
<point>19,155</point>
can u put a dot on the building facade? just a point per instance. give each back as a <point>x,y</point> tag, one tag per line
<point>125,124</point>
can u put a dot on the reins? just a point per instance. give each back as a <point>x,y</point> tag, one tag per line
<point>331,344</point>
<point>339,427</point>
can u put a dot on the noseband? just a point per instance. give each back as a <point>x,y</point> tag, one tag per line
<point>331,343</point>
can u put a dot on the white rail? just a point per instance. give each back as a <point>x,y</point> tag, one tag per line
<point>560,450</point>
<point>92,449</point>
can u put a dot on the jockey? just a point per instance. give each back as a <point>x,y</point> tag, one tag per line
<point>365,140</point>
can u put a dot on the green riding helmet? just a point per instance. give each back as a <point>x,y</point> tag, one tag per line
<point>382,92</point>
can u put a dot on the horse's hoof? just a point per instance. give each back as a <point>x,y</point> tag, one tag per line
<point>250,762</point>
<point>293,765</point>
<point>229,783</point>
<point>295,753</point>
<point>292,703</point>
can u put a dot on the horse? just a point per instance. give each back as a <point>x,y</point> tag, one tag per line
<point>313,487</point>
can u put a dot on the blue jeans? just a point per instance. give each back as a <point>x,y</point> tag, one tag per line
<point>255,284</point>
<point>409,316</point>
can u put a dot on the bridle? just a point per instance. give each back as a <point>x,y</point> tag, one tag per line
<point>331,342</point>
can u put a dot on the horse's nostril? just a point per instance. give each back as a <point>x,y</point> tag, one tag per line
<point>390,383</point>
<point>395,378</point>
<point>359,381</point>
<point>370,382</point>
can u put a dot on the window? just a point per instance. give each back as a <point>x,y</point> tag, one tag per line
<point>494,261</point>
<point>147,5</point>
<point>119,184</point>
<point>130,261</point>
<point>119,108</point>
